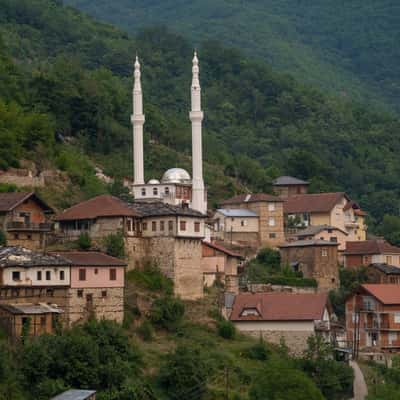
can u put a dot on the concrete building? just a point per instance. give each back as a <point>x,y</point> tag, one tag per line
<point>333,209</point>
<point>287,186</point>
<point>176,186</point>
<point>24,217</point>
<point>373,318</point>
<point>367,252</point>
<point>293,317</point>
<point>237,225</point>
<point>220,264</point>
<point>317,259</point>
<point>270,216</point>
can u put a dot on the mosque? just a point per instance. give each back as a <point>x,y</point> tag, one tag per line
<point>176,186</point>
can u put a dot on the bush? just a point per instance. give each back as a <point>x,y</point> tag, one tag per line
<point>259,351</point>
<point>145,331</point>
<point>167,312</point>
<point>269,257</point>
<point>84,242</point>
<point>3,239</point>
<point>114,244</point>
<point>226,329</point>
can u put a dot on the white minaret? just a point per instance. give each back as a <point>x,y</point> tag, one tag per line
<point>196,116</point>
<point>137,120</point>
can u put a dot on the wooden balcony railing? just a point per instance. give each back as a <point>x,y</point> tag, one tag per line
<point>29,226</point>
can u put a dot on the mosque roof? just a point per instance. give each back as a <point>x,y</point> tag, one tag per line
<point>176,175</point>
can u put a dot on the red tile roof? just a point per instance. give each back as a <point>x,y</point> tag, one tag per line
<point>222,249</point>
<point>319,202</point>
<point>252,198</point>
<point>8,201</point>
<point>274,306</point>
<point>100,206</point>
<point>91,258</point>
<point>376,246</point>
<point>385,293</point>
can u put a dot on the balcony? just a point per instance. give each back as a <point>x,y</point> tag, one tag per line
<point>348,223</point>
<point>29,226</point>
<point>321,326</point>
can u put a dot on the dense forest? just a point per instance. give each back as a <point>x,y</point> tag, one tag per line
<point>349,47</point>
<point>71,77</point>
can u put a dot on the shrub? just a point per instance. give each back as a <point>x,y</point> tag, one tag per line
<point>3,239</point>
<point>114,244</point>
<point>167,312</point>
<point>258,351</point>
<point>84,242</point>
<point>226,329</point>
<point>269,257</point>
<point>145,331</point>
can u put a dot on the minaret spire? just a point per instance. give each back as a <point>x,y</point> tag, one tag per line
<point>199,202</point>
<point>137,120</point>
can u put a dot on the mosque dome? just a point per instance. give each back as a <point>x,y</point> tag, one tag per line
<point>176,175</point>
<point>153,182</point>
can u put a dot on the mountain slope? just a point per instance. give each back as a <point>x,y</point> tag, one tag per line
<point>258,123</point>
<point>348,47</point>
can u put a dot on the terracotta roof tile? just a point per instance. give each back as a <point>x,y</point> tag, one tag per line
<point>274,306</point>
<point>100,206</point>
<point>319,202</point>
<point>222,249</point>
<point>376,246</point>
<point>252,198</point>
<point>91,258</point>
<point>8,201</point>
<point>385,293</point>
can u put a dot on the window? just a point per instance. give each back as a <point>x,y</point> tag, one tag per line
<point>366,260</point>
<point>42,322</point>
<point>155,191</point>
<point>170,225</point>
<point>62,275</point>
<point>397,318</point>
<point>329,230</point>
<point>197,226</point>
<point>162,225</point>
<point>16,276</point>
<point>39,275</point>
<point>82,274</point>
<point>271,206</point>
<point>154,226</point>
<point>129,224</point>
<point>389,260</point>
<point>166,190</point>
<point>104,293</point>
<point>333,239</point>
<point>96,271</point>
<point>368,303</point>
<point>182,225</point>
<point>324,253</point>
<point>144,226</point>
<point>271,221</point>
<point>143,192</point>
<point>113,274</point>
<point>48,275</point>
<point>50,292</point>
<point>249,311</point>
<point>80,292</point>
<point>272,235</point>
<point>242,223</point>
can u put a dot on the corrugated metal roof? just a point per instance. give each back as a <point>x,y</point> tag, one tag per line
<point>237,212</point>
<point>75,394</point>
<point>306,243</point>
<point>252,198</point>
<point>30,309</point>
<point>288,180</point>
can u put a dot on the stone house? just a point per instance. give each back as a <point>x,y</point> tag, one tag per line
<point>333,209</point>
<point>287,186</point>
<point>220,263</point>
<point>367,252</point>
<point>373,318</point>
<point>269,209</point>
<point>25,218</point>
<point>324,232</point>
<point>291,316</point>
<point>383,273</point>
<point>34,319</point>
<point>236,225</point>
<point>316,259</point>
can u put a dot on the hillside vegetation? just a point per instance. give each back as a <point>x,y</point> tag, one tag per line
<point>349,47</point>
<point>73,77</point>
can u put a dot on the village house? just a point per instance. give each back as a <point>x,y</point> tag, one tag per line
<point>317,259</point>
<point>287,186</point>
<point>291,316</point>
<point>237,226</point>
<point>269,210</point>
<point>373,318</point>
<point>376,251</point>
<point>220,264</point>
<point>333,209</point>
<point>24,218</point>
<point>383,273</point>
<point>324,232</point>
<point>29,319</point>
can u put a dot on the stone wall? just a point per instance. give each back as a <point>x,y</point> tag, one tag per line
<point>267,287</point>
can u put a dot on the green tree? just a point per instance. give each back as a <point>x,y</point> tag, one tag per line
<point>115,244</point>
<point>167,312</point>
<point>84,242</point>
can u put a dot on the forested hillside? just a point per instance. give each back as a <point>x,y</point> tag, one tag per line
<point>349,47</point>
<point>72,77</point>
